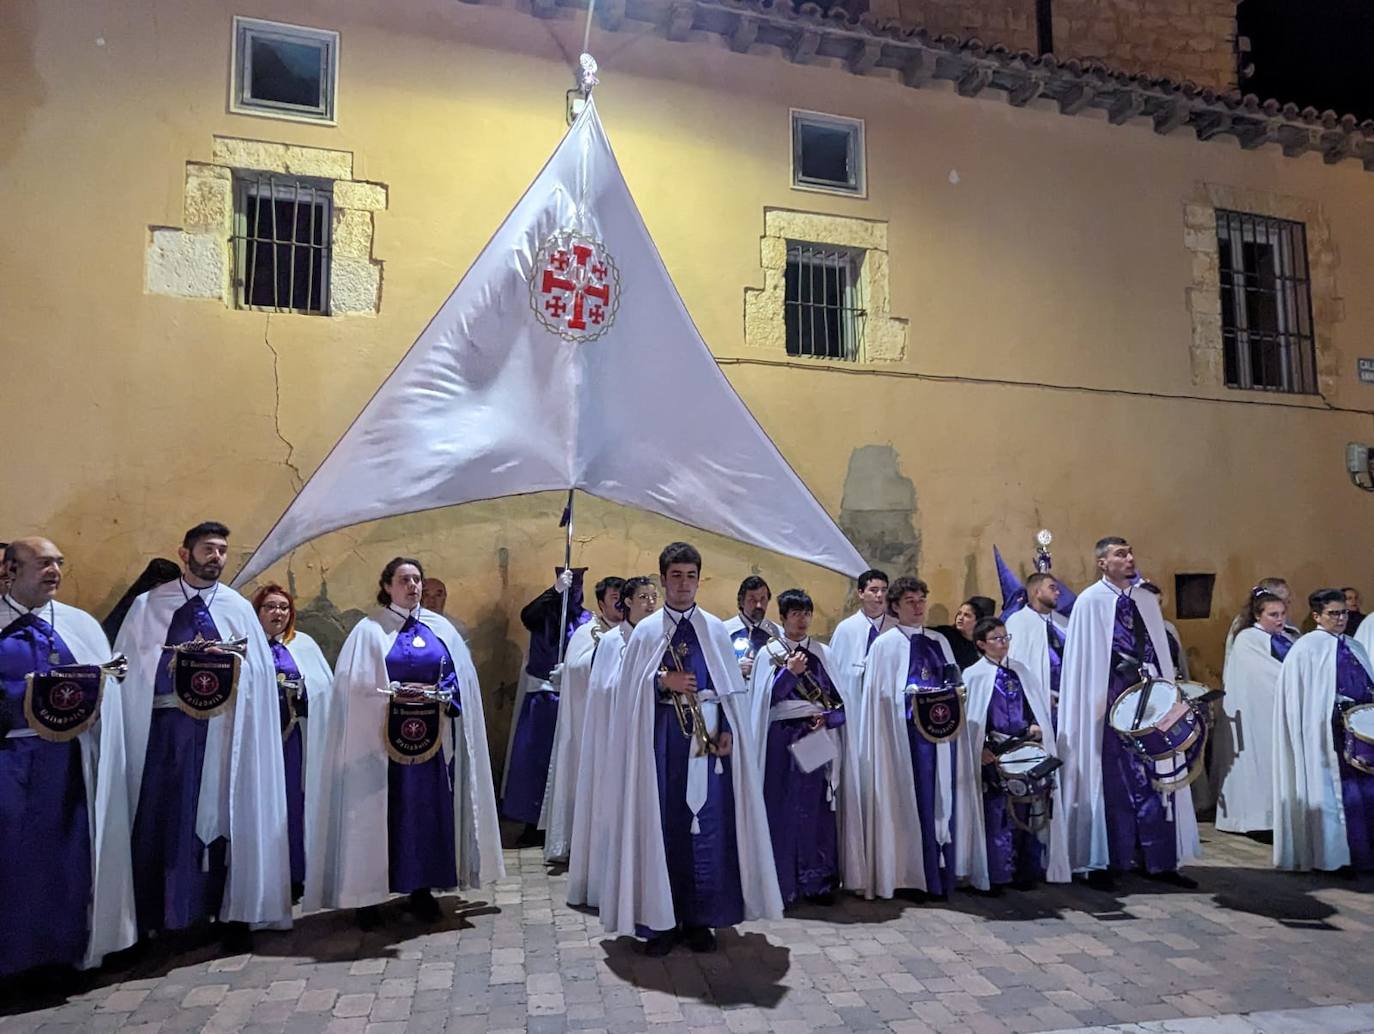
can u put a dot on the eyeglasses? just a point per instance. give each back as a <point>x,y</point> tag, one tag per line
<point>276,606</point>
<point>1335,613</point>
<point>998,639</point>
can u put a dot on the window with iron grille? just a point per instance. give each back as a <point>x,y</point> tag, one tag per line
<point>281,243</point>
<point>284,71</point>
<point>1266,303</point>
<point>823,308</point>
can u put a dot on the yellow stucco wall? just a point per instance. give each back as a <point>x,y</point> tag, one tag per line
<point>1057,258</point>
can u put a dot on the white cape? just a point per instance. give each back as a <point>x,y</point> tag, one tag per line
<point>636,891</point>
<point>849,650</point>
<point>1082,724</point>
<point>892,828</point>
<point>1029,641</point>
<point>242,785</point>
<point>516,332</point>
<point>1243,748</point>
<point>844,771</point>
<point>318,678</point>
<point>1364,635</point>
<point>110,912</point>
<point>591,830</point>
<point>972,854</point>
<point>346,864</point>
<point>560,791</point>
<point>1309,814</point>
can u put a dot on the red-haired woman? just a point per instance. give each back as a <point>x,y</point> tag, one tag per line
<point>301,670</point>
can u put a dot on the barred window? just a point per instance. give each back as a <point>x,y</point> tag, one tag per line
<point>1266,303</point>
<point>823,308</point>
<point>281,243</point>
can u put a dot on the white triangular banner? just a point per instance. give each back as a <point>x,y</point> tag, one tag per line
<point>565,358</point>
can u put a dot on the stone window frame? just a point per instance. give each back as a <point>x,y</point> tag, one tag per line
<point>1207,350</point>
<point>194,260</point>
<point>240,104</point>
<point>884,335</point>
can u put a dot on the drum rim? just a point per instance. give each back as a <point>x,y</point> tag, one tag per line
<point>1178,698</point>
<point>1345,718</point>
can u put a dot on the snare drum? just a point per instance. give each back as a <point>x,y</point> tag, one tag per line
<point>1022,777</point>
<point>1359,737</point>
<point>1168,726</point>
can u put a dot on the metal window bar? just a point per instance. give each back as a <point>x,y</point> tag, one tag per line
<point>823,304</point>
<point>282,244</point>
<point>1266,303</point>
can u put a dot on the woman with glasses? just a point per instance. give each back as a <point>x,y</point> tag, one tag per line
<point>405,758</point>
<point>1323,804</point>
<point>1007,704</point>
<point>301,669</point>
<point>1243,751</point>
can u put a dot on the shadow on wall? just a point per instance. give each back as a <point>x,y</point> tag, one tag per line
<point>878,511</point>
<point>322,621</point>
<point>23,86</point>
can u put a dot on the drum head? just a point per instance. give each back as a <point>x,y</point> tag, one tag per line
<point>1021,759</point>
<point>1160,696</point>
<point>1360,721</point>
<point>1193,690</point>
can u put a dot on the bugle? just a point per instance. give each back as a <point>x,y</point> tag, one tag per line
<point>812,690</point>
<point>417,691</point>
<point>688,708</point>
<point>202,645</point>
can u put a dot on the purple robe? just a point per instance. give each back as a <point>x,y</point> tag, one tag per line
<point>1357,788</point>
<point>1013,852</point>
<point>178,881</point>
<point>537,723</point>
<point>45,867</point>
<point>926,667</point>
<point>1140,830</point>
<point>293,755</point>
<point>703,867</point>
<point>421,848</point>
<point>802,821</point>
<point>1279,645</point>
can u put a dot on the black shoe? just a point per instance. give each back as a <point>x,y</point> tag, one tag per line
<point>993,891</point>
<point>1173,878</point>
<point>236,938</point>
<point>659,945</point>
<point>297,892</point>
<point>911,894</point>
<point>423,906</point>
<point>368,917</point>
<point>700,939</point>
<point>1101,879</point>
<point>1345,872</point>
<point>1023,885</point>
<point>531,836</point>
<point>827,899</point>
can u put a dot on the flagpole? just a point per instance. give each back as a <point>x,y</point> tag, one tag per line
<point>567,566</point>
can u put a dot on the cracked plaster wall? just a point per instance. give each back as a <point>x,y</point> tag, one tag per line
<point>1054,256</point>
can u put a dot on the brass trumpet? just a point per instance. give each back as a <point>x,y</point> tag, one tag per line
<point>417,690</point>
<point>812,690</point>
<point>202,645</point>
<point>117,667</point>
<point>688,708</point>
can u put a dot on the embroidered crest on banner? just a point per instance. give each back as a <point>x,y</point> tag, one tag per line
<point>63,703</point>
<point>413,731</point>
<point>575,286</point>
<point>938,714</point>
<point>204,682</point>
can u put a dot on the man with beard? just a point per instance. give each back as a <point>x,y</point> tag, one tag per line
<point>750,629</point>
<point>203,743</point>
<point>1118,821</point>
<point>65,887</point>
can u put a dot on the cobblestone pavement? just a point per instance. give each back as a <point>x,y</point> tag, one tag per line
<point>514,957</point>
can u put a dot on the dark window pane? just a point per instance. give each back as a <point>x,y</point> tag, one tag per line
<point>286,73</point>
<point>285,246</point>
<point>821,317</point>
<point>825,154</point>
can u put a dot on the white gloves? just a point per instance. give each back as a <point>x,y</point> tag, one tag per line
<point>564,581</point>
<point>556,677</point>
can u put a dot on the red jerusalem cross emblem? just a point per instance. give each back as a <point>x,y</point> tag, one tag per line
<point>575,287</point>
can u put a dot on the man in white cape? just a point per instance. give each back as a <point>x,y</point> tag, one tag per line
<point>1118,821</point>
<point>597,793</point>
<point>1037,633</point>
<point>1323,806</point>
<point>1008,700</point>
<point>852,638</point>
<point>68,894</point>
<point>691,851</point>
<point>209,839</point>
<point>573,679</point>
<point>907,780</point>
<point>809,759</point>
<point>347,862</point>
<point>750,628</point>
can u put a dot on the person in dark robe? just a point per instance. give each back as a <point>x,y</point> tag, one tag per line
<point>535,725</point>
<point>750,628</point>
<point>159,571</point>
<point>803,806</point>
<point>300,666</point>
<point>1352,606</point>
<point>959,635</point>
